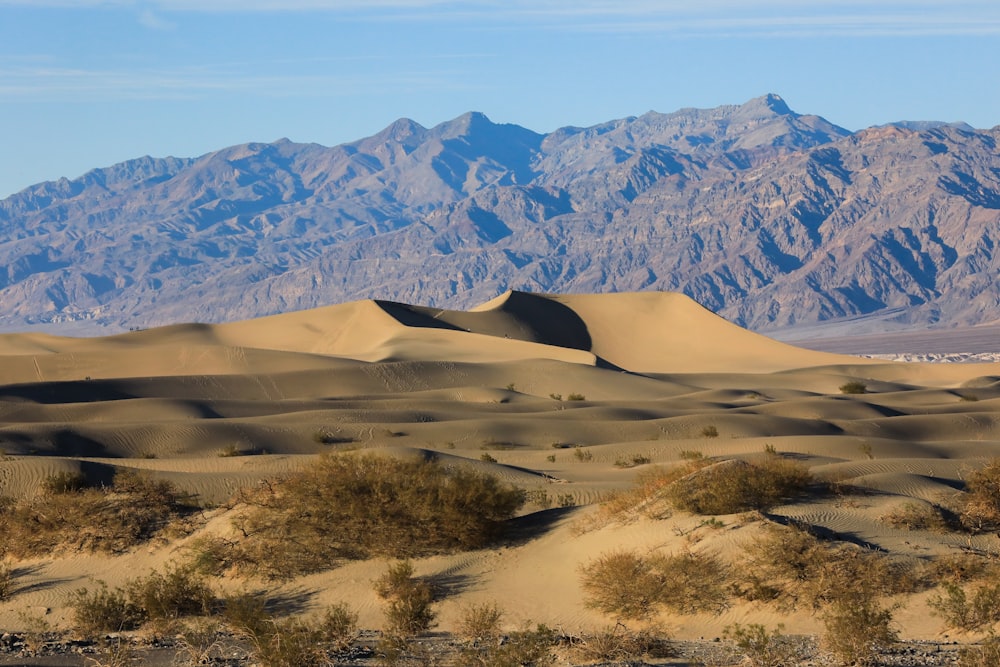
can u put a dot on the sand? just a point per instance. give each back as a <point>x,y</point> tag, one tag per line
<point>653,372</point>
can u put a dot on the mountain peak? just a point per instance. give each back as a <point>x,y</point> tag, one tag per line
<point>766,105</point>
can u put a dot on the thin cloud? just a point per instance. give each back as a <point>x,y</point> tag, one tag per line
<point>54,83</point>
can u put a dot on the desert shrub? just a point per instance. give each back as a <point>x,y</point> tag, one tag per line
<point>858,629</point>
<point>959,610</point>
<point>576,397</point>
<point>175,592</point>
<point>854,387</point>
<point>522,648</point>
<point>6,580</point>
<point>339,626</point>
<point>349,507</point>
<point>480,624</point>
<point>981,502</point>
<point>733,485</point>
<point>633,461</point>
<point>485,457</point>
<point>794,569</point>
<point>914,516</point>
<point>104,610</point>
<point>987,654</point>
<point>199,643</point>
<point>710,431</point>
<point>64,482</point>
<point>618,644</point>
<point>760,648</point>
<point>111,520</point>
<point>115,652</point>
<point>408,601</point>
<point>289,642</point>
<point>583,455</point>
<point>631,586</point>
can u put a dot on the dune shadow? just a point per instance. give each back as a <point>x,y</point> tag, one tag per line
<point>70,391</point>
<point>823,533</point>
<point>448,585</point>
<point>286,604</point>
<point>19,572</point>
<point>524,529</point>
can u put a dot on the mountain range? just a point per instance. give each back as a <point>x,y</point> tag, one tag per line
<point>771,218</point>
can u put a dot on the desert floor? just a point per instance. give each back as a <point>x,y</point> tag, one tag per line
<point>213,408</point>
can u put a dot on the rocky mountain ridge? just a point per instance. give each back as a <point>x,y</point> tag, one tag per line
<point>768,217</point>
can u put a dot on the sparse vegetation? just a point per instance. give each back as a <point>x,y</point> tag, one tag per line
<point>760,648</point>
<point>583,455</point>
<point>408,601</point>
<point>176,592</point>
<point>916,516</point>
<point>555,397</point>
<point>858,629</point>
<point>6,580</point>
<point>631,462</point>
<point>710,431</point>
<point>968,612</point>
<point>854,387</point>
<point>347,507</point>
<point>987,654</point>
<point>487,458</point>
<point>620,645</point>
<point>632,586</point>
<point>576,397</point>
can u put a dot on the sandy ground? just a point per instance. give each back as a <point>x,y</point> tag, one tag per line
<point>653,372</point>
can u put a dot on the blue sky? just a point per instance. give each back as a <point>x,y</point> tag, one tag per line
<point>88,83</point>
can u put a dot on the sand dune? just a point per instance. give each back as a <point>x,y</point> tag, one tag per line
<point>568,396</point>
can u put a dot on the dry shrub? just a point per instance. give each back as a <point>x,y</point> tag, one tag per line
<point>618,644</point>
<point>795,569</point>
<point>522,648</point>
<point>290,642</point>
<point>858,629</point>
<point>352,507</point>
<point>854,387</point>
<point>706,486</point>
<point>6,580</point>
<point>734,486</point>
<point>104,610</point>
<point>629,585</point>
<point>109,520</point>
<point>981,502</point>
<point>408,601</point>
<point>760,648</point>
<point>916,516</point>
<point>175,593</point>
<point>480,624</point>
<point>987,654</point>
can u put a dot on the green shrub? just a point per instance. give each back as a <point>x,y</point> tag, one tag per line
<point>854,387</point>
<point>349,507</point>
<point>760,648</point>
<point>408,601</point>
<point>631,586</point>
<point>959,611</point>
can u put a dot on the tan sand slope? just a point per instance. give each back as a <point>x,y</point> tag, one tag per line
<point>568,397</point>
